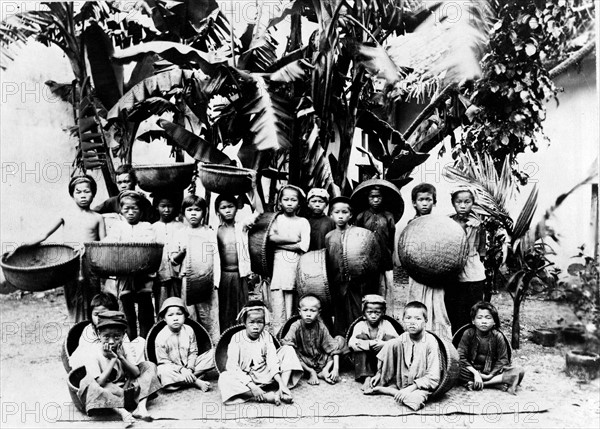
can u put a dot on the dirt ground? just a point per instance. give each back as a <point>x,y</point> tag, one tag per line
<point>33,390</point>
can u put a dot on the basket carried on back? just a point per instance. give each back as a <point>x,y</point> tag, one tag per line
<point>261,252</point>
<point>449,366</point>
<point>392,199</point>
<point>433,249</point>
<point>39,268</point>
<point>123,259</point>
<point>223,344</point>
<point>361,254</point>
<point>202,338</point>
<point>397,326</point>
<point>226,178</point>
<point>73,380</point>
<point>311,276</point>
<point>458,335</point>
<point>170,177</point>
<point>71,343</point>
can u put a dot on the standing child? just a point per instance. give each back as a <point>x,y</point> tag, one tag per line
<point>409,366</point>
<point>290,235</point>
<point>254,366</point>
<point>432,295</point>
<point>177,350</point>
<point>483,352</point>
<point>462,295</point>
<point>318,351</point>
<point>320,224</point>
<point>369,336</point>
<point>197,250</point>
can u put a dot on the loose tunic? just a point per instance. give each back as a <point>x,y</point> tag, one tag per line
<point>89,339</point>
<point>319,228</point>
<point>488,355</point>
<point>383,224</point>
<point>364,358</point>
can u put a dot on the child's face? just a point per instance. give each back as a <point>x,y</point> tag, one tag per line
<point>375,198</point>
<point>483,320</point>
<point>111,338</point>
<point>174,317</point>
<point>255,323</point>
<point>463,203</point>
<point>166,210</point>
<point>96,311</point>
<point>309,311</point>
<point>289,201</point>
<point>124,182</point>
<point>131,211</point>
<point>317,205</point>
<point>83,195</point>
<point>341,214</point>
<point>373,313</point>
<point>423,203</point>
<point>194,215</point>
<point>227,210</point>
<point>414,320</point>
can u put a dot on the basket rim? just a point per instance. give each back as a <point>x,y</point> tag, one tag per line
<point>461,331</point>
<point>122,244</point>
<point>236,329</point>
<point>387,317</point>
<point>445,348</point>
<point>164,165</point>
<point>227,169</point>
<point>16,268</point>
<point>158,326</point>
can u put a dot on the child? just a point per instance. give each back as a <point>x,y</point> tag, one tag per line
<point>177,350</point>
<point>197,251</point>
<point>483,353</point>
<point>424,199</point>
<point>468,290</point>
<point>137,287</point>
<point>409,366</point>
<point>80,225</point>
<point>369,336</point>
<point>167,282</point>
<point>320,224</point>
<point>109,371</point>
<point>232,238</point>
<point>290,235</point>
<point>318,351</point>
<point>253,364</point>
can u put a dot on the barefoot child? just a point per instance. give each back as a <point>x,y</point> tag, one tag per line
<point>409,366</point>
<point>177,350</point>
<point>254,367</point>
<point>318,351</point>
<point>369,336</point>
<point>109,370</point>
<point>484,360</point>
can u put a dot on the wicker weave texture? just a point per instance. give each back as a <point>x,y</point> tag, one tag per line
<point>71,343</point>
<point>170,177</point>
<point>123,259</point>
<point>360,252</point>
<point>202,338</point>
<point>261,253</point>
<point>226,178</point>
<point>311,276</point>
<point>450,367</point>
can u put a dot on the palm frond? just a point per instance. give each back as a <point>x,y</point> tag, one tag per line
<point>524,219</point>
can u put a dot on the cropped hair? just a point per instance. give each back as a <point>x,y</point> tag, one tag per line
<point>225,197</point>
<point>482,305</point>
<point>83,179</point>
<point>309,296</point>
<point>174,198</point>
<point>423,187</point>
<point>126,169</point>
<point>193,200</point>
<point>417,304</point>
<point>107,300</point>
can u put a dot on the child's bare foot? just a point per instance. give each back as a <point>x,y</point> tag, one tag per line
<point>313,378</point>
<point>141,412</point>
<point>286,396</point>
<point>366,384</point>
<point>202,385</point>
<point>272,398</point>
<point>511,378</point>
<point>325,375</point>
<point>126,416</point>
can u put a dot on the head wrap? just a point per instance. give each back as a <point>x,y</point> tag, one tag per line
<point>82,179</point>
<point>114,319</point>
<point>172,302</point>
<point>373,299</point>
<point>241,317</point>
<point>318,192</point>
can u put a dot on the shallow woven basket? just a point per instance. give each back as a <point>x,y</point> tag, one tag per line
<point>226,178</point>
<point>361,254</point>
<point>123,259</point>
<point>433,248</point>
<point>71,343</point>
<point>458,335</point>
<point>202,338</point>
<point>73,380</point>
<point>223,344</point>
<point>449,366</point>
<point>392,199</point>
<point>171,177</point>
<point>39,268</point>
<point>261,252</point>
<point>286,327</point>
<point>397,326</point>
<point>311,276</point>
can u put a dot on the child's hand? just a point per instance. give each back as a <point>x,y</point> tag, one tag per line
<point>376,345</point>
<point>109,352</point>
<point>334,376</point>
<point>188,375</point>
<point>478,383</point>
<point>120,352</point>
<point>375,379</point>
<point>258,393</point>
<point>486,377</point>
<point>403,393</point>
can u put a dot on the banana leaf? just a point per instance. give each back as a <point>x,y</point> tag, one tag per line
<point>524,219</point>
<point>291,72</point>
<point>150,106</point>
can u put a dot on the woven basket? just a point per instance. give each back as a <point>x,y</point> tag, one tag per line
<point>449,366</point>
<point>73,380</point>
<point>433,249</point>
<point>311,276</point>
<point>261,252</point>
<point>361,254</point>
<point>397,326</point>
<point>392,199</point>
<point>286,327</point>
<point>71,343</point>
<point>226,178</point>
<point>39,268</point>
<point>202,338</point>
<point>458,335</point>
<point>223,344</point>
<point>171,177</point>
<point>123,259</point>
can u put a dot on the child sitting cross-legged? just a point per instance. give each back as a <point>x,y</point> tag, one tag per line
<point>254,367</point>
<point>409,366</point>
<point>369,335</point>
<point>318,351</point>
<point>177,350</point>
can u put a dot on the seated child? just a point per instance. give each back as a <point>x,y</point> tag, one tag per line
<point>369,336</point>
<point>318,351</point>
<point>177,350</point>
<point>254,366</point>
<point>483,353</point>
<point>409,366</point>
<point>110,371</point>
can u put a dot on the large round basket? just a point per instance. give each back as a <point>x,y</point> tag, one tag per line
<point>286,327</point>
<point>226,178</point>
<point>311,276</point>
<point>73,380</point>
<point>261,252</point>
<point>361,254</point>
<point>39,268</point>
<point>202,338</point>
<point>172,177</point>
<point>71,343</point>
<point>397,326</point>
<point>449,367</point>
<point>123,259</point>
<point>433,249</point>
<point>458,335</point>
<point>223,344</point>
<point>392,199</point>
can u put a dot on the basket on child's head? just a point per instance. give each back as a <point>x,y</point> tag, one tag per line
<point>449,366</point>
<point>392,199</point>
<point>397,326</point>
<point>459,334</point>
<point>433,249</point>
<point>71,343</point>
<point>223,344</point>
<point>361,254</point>
<point>170,177</point>
<point>202,338</point>
<point>311,276</point>
<point>123,259</point>
<point>261,252</point>
<point>226,178</point>
<point>39,268</point>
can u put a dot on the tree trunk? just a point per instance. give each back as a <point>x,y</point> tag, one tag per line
<point>516,324</point>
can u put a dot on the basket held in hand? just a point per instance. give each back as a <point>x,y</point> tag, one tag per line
<point>226,178</point>
<point>123,259</point>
